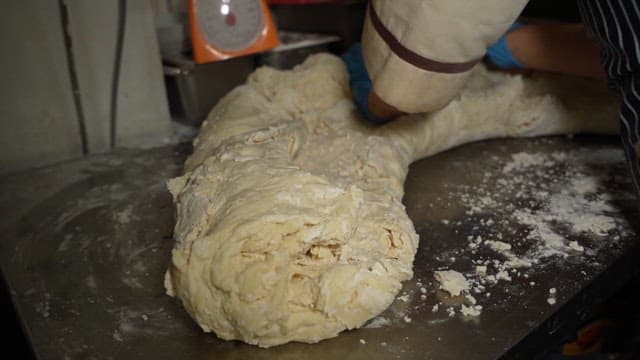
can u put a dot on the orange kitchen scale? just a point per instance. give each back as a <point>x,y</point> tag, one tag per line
<point>222,29</point>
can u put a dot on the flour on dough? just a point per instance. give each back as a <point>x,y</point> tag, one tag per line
<point>290,222</point>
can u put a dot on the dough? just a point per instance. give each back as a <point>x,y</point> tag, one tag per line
<point>451,281</point>
<point>290,222</point>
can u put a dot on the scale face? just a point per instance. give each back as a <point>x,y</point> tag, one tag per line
<point>222,29</point>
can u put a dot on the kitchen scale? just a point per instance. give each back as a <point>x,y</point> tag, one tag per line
<point>222,29</point>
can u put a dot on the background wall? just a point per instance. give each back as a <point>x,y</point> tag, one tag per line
<point>39,121</point>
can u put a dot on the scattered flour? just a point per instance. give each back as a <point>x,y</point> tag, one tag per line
<point>451,311</point>
<point>560,199</point>
<point>471,310</point>
<point>503,275</point>
<point>125,216</point>
<point>524,160</point>
<point>575,246</point>
<point>549,206</point>
<point>481,270</point>
<point>552,199</point>
<point>498,246</point>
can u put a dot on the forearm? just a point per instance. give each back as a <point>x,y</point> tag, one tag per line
<point>381,109</point>
<point>555,47</point>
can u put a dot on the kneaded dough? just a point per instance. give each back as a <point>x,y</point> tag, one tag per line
<point>451,281</point>
<point>290,222</point>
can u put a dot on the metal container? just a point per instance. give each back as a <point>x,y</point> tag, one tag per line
<point>193,89</point>
<point>343,18</point>
<point>295,47</point>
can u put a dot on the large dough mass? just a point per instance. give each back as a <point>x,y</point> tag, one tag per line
<point>290,222</point>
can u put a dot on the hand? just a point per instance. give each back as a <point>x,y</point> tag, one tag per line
<point>370,105</point>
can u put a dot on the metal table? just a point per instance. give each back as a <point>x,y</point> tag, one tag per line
<point>85,245</point>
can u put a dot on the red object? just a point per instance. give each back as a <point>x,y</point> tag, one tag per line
<point>204,51</point>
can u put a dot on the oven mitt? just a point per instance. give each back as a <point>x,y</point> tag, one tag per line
<point>359,82</point>
<point>499,54</point>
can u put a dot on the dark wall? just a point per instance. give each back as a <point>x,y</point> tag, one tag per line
<point>563,10</point>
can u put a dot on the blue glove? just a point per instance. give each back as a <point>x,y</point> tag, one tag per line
<point>360,82</point>
<point>499,54</point>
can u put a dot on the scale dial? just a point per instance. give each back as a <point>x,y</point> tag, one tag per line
<point>230,25</point>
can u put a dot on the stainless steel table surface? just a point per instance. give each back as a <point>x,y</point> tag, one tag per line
<point>85,244</point>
